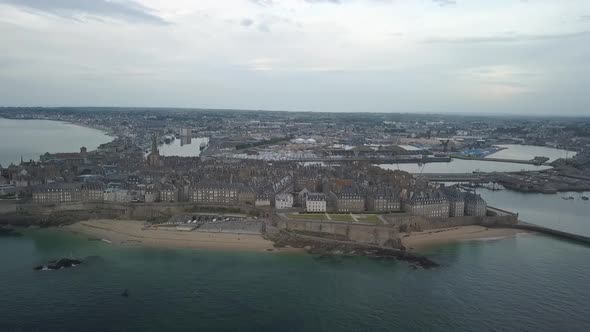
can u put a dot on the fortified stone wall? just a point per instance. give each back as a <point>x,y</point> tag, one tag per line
<point>380,234</point>
<point>358,233</point>
<point>7,206</point>
<point>139,211</point>
<point>424,223</point>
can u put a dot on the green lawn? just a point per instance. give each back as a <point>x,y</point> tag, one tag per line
<point>341,217</point>
<point>368,218</point>
<point>308,216</point>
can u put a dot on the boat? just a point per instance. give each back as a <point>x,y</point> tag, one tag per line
<point>585,198</point>
<point>571,197</point>
<point>492,186</point>
<point>168,139</point>
<point>202,146</point>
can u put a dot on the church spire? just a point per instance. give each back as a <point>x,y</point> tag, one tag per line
<point>154,144</point>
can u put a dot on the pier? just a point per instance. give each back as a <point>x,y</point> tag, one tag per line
<point>581,239</point>
<point>535,162</point>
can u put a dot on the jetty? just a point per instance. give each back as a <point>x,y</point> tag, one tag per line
<point>581,239</point>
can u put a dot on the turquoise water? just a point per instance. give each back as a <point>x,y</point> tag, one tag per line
<point>528,283</point>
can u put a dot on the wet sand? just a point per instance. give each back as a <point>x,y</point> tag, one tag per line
<point>417,240</point>
<point>134,233</point>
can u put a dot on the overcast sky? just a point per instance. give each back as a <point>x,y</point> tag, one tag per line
<point>500,56</point>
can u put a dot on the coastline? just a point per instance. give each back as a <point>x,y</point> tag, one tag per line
<point>433,237</point>
<point>133,233</point>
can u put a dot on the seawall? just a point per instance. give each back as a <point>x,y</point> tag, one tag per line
<point>53,214</point>
<point>551,232</point>
<point>397,224</point>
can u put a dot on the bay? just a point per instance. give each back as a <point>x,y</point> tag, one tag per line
<point>32,138</point>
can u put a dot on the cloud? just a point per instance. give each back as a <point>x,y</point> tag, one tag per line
<point>246,22</point>
<point>444,3</point>
<point>263,3</point>
<point>126,10</point>
<point>263,27</point>
<point>324,1</point>
<point>507,38</point>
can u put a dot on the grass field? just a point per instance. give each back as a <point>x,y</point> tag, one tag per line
<point>308,216</point>
<point>341,217</point>
<point>368,218</point>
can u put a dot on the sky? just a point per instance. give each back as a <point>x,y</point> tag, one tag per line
<point>521,57</point>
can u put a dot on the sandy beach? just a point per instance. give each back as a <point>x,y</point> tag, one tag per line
<point>432,237</point>
<point>132,233</point>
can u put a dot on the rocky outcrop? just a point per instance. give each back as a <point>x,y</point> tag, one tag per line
<point>5,231</point>
<point>59,264</point>
<point>326,247</point>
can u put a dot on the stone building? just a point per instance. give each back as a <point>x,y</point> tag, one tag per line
<point>262,199</point>
<point>118,195</point>
<point>92,191</point>
<point>56,193</point>
<point>151,195</point>
<point>475,205</point>
<point>169,193</point>
<point>428,204</point>
<point>383,200</point>
<point>246,195</point>
<point>153,159</point>
<point>347,200</point>
<point>315,202</point>
<point>283,201</point>
<point>456,200</point>
<point>215,193</point>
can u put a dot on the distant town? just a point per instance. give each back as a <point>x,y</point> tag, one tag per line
<point>294,168</point>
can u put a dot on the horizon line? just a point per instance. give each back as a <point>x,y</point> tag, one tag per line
<point>492,114</point>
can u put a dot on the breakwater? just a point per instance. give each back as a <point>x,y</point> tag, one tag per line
<point>550,232</point>
<point>536,162</point>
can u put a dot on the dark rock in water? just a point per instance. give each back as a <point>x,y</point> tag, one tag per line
<point>8,232</point>
<point>59,264</point>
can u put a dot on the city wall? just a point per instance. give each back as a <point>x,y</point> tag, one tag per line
<point>418,223</point>
<point>380,234</point>
<point>138,211</point>
<point>7,206</point>
<point>358,233</point>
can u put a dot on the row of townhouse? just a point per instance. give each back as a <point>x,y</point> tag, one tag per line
<point>88,192</point>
